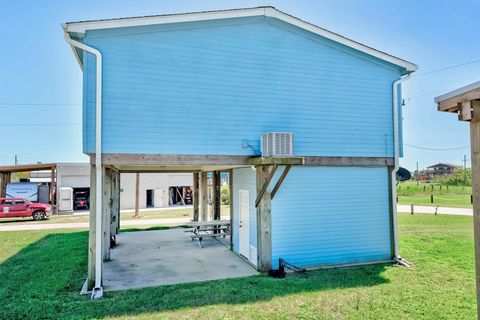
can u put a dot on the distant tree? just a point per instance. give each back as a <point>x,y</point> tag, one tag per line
<point>459,178</point>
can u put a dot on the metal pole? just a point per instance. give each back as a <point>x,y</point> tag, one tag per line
<point>417,173</point>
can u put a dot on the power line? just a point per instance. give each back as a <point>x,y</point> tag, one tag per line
<point>430,93</point>
<point>39,104</point>
<point>435,149</point>
<point>39,124</point>
<point>447,68</point>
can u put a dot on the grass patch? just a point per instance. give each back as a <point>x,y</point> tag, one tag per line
<point>43,271</point>
<point>446,196</point>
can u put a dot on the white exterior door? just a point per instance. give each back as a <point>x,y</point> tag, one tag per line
<point>244,237</point>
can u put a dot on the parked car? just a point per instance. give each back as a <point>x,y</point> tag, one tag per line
<point>22,208</point>
<point>81,200</point>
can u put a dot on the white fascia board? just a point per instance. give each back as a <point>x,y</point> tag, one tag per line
<point>458,92</point>
<point>82,26</point>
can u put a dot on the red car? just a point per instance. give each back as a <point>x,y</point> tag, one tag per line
<point>22,208</point>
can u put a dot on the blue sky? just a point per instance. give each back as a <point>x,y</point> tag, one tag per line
<point>40,81</point>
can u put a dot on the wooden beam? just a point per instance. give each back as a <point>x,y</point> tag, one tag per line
<point>465,111</point>
<point>475,155</point>
<point>196,200</point>
<point>204,196</point>
<point>258,161</point>
<point>184,163</point>
<point>28,167</point>
<point>264,221</point>
<point>137,195</point>
<point>349,161</point>
<point>280,180</point>
<point>451,104</point>
<point>216,195</point>
<point>267,182</point>
<point>169,159</point>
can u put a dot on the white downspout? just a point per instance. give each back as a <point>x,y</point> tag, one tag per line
<point>395,87</point>
<point>97,292</point>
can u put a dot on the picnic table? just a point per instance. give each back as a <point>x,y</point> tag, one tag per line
<point>209,229</point>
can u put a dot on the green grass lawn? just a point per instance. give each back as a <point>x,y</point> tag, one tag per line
<point>446,196</point>
<point>43,271</point>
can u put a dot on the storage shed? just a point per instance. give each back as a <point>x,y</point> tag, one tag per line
<point>195,93</point>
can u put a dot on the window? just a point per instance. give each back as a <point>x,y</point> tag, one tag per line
<point>19,201</point>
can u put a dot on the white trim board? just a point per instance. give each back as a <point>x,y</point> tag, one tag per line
<point>81,27</point>
<point>458,92</point>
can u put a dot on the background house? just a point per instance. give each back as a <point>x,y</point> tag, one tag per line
<point>441,169</point>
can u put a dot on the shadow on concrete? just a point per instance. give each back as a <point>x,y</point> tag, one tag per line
<point>43,280</point>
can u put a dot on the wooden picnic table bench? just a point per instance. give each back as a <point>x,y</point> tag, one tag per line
<point>209,229</point>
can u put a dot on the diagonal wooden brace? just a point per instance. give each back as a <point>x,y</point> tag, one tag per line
<point>280,180</point>
<point>265,185</point>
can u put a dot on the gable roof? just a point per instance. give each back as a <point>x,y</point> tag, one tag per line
<point>443,164</point>
<point>80,27</point>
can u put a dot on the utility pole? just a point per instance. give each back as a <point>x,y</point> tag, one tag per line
<point>16,160</point>
<point>417,173</point>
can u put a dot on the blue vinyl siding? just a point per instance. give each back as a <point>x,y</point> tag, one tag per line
<point>203,87</point>
<point>332,215</point>
<point>244,179</point>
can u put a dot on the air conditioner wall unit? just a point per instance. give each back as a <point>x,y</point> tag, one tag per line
<point>277,144</point>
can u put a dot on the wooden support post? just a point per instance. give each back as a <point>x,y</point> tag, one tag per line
<point>107,206</point>
<point>2,185</point>
<point>264,219</point>
<point>196,200</point>
<point>204,196</point>
<point>114,224</point>
<point>137,195</point>
<point>230,186</point>
<point>216,195</point>
<point>475,154</point>
<point>52,185</point>
<point>91,231</point>
<point>412,210</point>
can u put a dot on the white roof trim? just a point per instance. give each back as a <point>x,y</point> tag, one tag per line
<point>458,92</point>
<point>82,26</point>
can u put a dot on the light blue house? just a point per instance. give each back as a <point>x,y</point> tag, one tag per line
<point>195,92</point>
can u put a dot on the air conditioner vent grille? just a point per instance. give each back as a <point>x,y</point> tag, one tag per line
<point>278,144</point>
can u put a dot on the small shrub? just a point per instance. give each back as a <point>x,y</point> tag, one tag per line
<point>225,195</point>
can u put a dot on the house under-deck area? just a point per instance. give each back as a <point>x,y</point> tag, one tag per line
<point>163,257</point>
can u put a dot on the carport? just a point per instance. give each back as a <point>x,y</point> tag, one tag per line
<point>6,176</point>
<point>150,258</point>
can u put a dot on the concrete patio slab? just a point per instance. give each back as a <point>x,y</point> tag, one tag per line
<point>153,258</point>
